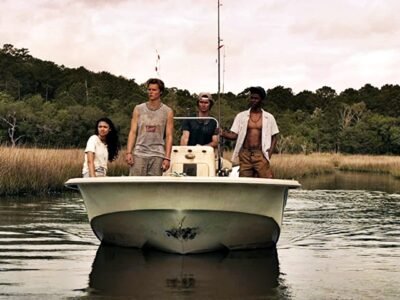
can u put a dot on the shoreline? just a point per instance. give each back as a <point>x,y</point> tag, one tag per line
<point>43,171</point>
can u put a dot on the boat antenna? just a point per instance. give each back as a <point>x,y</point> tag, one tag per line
<point>219,46</point>
<point>219,64</point>
<point>223,74</point>
<point>157,67</point>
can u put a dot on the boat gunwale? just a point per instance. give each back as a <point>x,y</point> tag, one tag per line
<point>183,179</point>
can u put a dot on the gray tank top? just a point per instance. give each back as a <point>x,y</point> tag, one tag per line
<point>150,140</point>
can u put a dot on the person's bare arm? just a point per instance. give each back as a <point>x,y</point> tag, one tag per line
<point>90,162</point>
<point>185,138</point>
<point>230,135</point>
<point>132,137</point>
<point>274,140</point>
<point>169,132</point>
<point>214,141</point>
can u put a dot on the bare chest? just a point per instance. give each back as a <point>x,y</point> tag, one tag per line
<point>255,121</point>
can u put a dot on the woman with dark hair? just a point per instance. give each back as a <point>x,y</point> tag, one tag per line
<point>101,147</point>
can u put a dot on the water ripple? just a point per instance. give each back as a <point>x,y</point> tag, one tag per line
<point>342,218</point>
<point>333,245</point>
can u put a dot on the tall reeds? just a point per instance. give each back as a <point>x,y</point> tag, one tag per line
<point>297,166</point>
<point>368,163</point>
<point>24,170</point>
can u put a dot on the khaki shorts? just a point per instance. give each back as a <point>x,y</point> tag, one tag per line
<point>254,164</point>
<point>98,174</point>
<point>146,166</point>
<point>99,171</point>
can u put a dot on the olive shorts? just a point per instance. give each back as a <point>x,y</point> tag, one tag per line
<point>254,164</point>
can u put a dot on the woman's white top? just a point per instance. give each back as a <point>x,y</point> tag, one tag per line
<point>95,145</point>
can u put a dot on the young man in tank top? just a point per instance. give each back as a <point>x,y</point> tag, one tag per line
<point>151,133</point>
<point>255,132</point>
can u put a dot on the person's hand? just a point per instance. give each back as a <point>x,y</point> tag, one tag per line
<point>165,164</point>
<point>129,159</point>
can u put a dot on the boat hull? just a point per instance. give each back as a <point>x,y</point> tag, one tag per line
<point>186,231</point>
<point>185,215</point>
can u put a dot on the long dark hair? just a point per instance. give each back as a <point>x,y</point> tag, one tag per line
<point>112,140</point>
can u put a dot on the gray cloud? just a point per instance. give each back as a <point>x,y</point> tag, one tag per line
<point>299,44</point>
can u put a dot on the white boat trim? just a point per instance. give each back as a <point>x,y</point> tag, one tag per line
<point>183,179</point>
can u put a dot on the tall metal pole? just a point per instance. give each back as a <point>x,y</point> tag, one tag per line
<point>219,67</point>
<point>219,91</point>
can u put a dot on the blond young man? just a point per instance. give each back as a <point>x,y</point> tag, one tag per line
<point>151,134</point>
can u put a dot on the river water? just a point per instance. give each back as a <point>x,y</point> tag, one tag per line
<point>340,240</point>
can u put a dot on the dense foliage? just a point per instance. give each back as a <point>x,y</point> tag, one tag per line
<point>46,105</point>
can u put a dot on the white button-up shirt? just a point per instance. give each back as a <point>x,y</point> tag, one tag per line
<point>239,126</point>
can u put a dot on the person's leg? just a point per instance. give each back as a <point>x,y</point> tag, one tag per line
<point>154,168</point>
<point>139,168</point>
<point>261,165</point>
<point>246,165</point>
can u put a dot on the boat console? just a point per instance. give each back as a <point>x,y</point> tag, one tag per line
<point>192,161</point>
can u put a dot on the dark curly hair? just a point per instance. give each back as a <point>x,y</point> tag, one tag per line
<point>112,139</point>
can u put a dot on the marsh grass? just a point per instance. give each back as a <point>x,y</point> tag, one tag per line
<point>297,166</point>
<point>25,170</point>
<point>368,163</point>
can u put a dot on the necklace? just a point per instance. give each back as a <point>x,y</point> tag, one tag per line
<point>258,118</point>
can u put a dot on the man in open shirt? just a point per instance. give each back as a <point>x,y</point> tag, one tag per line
<point>255,132</point>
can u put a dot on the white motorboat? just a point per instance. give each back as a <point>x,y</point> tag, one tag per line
<point>190,210</point>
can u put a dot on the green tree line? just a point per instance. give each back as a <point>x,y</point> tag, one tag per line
<point>43,104</point>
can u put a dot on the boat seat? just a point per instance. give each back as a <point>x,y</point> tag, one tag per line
<point>192,161</point>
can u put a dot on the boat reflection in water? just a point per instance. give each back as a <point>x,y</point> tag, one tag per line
<point>118,271</point>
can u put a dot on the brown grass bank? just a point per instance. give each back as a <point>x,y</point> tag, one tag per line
<point>368,163</point>
<point>299,165</point>
<point>24,170</point>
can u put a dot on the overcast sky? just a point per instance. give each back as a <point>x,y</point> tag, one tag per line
<point>300,44</point>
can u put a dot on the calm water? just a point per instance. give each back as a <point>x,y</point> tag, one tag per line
<point>337,243</point>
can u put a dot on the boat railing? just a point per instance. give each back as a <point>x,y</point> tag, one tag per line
<point>197,118</point>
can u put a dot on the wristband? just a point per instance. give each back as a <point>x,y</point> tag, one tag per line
<point>166,158</point>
